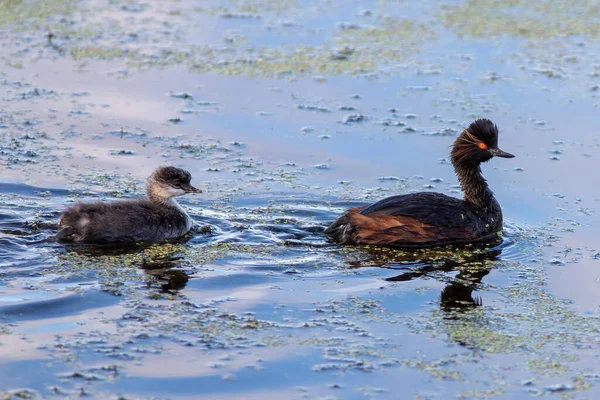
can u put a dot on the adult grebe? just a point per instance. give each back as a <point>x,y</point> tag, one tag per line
<point>433,219</point>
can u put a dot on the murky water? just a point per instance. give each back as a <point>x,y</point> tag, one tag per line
<point>287,113</point>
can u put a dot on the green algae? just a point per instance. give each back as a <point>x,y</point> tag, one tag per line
<point>531,324</point>
<point>28,15</point>
<point>21,394</point>
<point>79,53</point>
<point>520,18</point>
<point>389,41</point>
<point>264,6</point>
<point>377,47</point>
<point>439,369</point>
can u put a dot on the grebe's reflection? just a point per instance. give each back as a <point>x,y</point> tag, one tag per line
<point>471,262</point>
<point>167,280</point>
<point>458,294</point>
<point>162,268</point>
<point>161,262</point>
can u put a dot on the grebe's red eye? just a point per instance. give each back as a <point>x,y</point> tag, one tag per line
<point>482,146</point>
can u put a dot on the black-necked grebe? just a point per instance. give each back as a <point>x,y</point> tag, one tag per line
<point>433,219</point>
<point>158,217</point>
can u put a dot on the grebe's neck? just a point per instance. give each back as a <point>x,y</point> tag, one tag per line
<point>474,186</point>
<point>157,198</point>
<point>158,194</point>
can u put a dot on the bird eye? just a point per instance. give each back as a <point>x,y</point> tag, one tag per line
<point>482,146</point>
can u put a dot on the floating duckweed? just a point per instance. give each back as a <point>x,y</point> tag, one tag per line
<point>534,20</point>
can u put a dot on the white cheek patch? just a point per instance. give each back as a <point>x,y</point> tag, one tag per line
<point>160,191</point>
<point>174,192</point>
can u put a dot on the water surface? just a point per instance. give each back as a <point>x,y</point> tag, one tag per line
<point>287,113</point>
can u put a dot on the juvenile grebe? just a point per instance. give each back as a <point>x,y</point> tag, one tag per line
<point>433,219</point>
<point>158,217</point>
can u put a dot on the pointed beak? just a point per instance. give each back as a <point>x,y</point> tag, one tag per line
<point>190,189</point>
<point>500,153</point>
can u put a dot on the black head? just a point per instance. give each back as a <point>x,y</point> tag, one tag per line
<point>478,143</point>
<point>176,181</point>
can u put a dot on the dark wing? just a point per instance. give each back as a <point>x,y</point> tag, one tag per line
<point>428,208</point>
<point>419,219</point>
